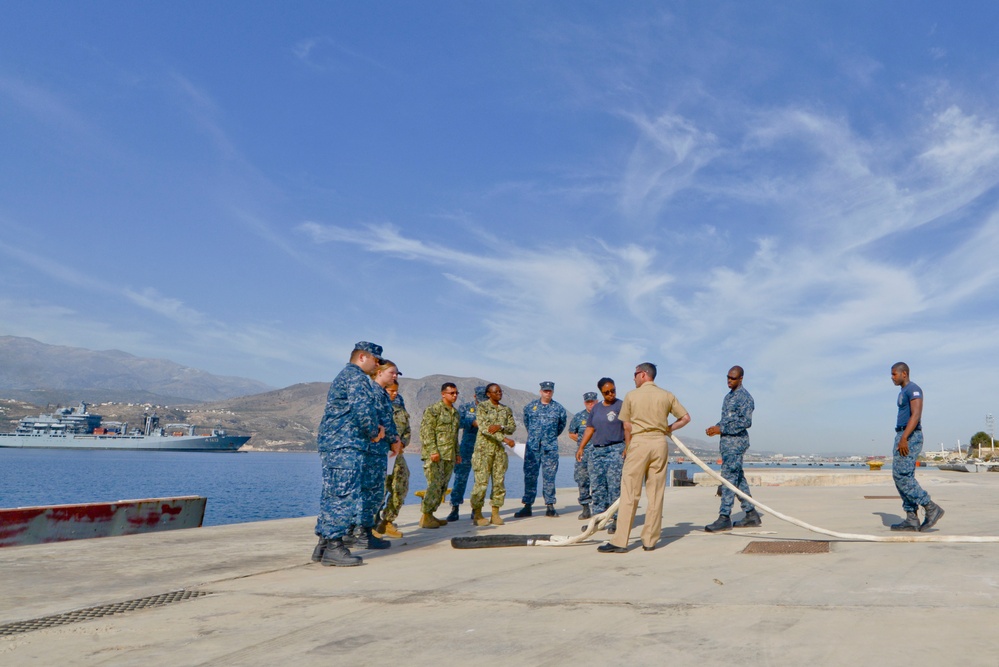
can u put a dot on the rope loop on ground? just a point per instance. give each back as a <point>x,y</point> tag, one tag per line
<point>854,537</point>
<point>600,521</point>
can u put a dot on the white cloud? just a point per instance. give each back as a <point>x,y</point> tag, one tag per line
<point>668,153</point>
<point>965,144</point>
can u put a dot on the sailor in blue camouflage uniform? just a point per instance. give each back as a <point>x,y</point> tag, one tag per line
<point>580,472</point>
<point>736,418</point>
<point>908,446</point>
<point>545,420</point>
<point>350,428</point>
<point>463,466</point>
<point>375,459</point>
<point>604,439</point>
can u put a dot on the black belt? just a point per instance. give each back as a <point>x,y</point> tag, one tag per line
<point>899,429</point>
<point>609,444</point>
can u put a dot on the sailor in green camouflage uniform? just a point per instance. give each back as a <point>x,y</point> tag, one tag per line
<point>396,483</point>
<point>490,458</point>
<point>439,438</point>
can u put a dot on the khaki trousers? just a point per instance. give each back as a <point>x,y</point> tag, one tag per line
<point>646,461</point>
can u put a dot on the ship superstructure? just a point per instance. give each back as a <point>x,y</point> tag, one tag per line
<point>77,428</point>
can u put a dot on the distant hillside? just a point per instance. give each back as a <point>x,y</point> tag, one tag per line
<point>288,418</point>
<point>41,374</point>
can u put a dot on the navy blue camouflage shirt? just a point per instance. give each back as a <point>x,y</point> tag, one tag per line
<point>578,424</point>
<point>352,416</point>
<point>737,413</point>
<point>466,413</point>
<point>386,416</point>
<point>544,422</point>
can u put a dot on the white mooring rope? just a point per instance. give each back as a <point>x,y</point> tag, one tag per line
<point>600,520</point>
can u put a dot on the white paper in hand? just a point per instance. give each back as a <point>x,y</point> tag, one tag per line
<point>520,449</point>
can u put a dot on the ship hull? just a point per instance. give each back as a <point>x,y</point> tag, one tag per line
<point>164,443</point>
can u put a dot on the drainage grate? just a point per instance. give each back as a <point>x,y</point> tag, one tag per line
<point>895,497</point>
<point>97,612</point>
<point>787,547</point>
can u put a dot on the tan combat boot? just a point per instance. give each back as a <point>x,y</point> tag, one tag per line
<point>478,518</point>
<point>391,530</point>
<point>380,529</point>
<point>497,520</point>
<point>428,521</point>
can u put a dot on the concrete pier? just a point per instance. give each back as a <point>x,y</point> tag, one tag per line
<point>256,599</point>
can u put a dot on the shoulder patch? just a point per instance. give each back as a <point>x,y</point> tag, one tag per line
<point>916,394</point>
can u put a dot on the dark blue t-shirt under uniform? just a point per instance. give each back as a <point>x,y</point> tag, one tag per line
<point>607,428</point>
<point>905,395</point>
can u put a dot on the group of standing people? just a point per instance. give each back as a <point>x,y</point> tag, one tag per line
<point>356,434</point>
<point>365,420</point>
<point>621,445</point>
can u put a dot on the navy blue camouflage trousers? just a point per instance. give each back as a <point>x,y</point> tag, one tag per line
<point>581,475</point>
<point>903,471</point>
<point>340,500</point>
<point>462,471</point>
<point>606,465</point>
<point>732,450</point>
<point>373,471</point>
<point>543,459</point>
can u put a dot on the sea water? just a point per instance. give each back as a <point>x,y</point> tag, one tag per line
<point>240,487</point>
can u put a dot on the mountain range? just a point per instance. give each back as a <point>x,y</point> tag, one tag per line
<point>40,373</point>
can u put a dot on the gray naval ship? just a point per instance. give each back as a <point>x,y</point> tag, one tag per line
<point>76,428</point>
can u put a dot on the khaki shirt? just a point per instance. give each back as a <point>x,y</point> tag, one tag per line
<point>648,407</point>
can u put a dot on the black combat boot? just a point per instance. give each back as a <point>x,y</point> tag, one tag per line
<point>751,520</point>
<point>933,514</point>
<point>911,522</point>
<point>523,511</point>
<point>585,514</point>
<point>453,516</point>
<point>350,539</point>
<point>550,510</point>
<point>720,524</point>
<point>338,555</point>
<point>369,541</point>
<point>612,526</point>
<point>317,553</point>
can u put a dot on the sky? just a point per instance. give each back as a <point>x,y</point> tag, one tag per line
<point>520,191</point>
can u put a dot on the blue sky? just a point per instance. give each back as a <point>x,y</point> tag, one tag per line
<point>520,191</point>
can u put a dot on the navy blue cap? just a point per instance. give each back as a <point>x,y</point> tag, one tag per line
<point>370,348</point>
<point>480,393</point>
<point>548,385</point>
<point>590,396</point>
